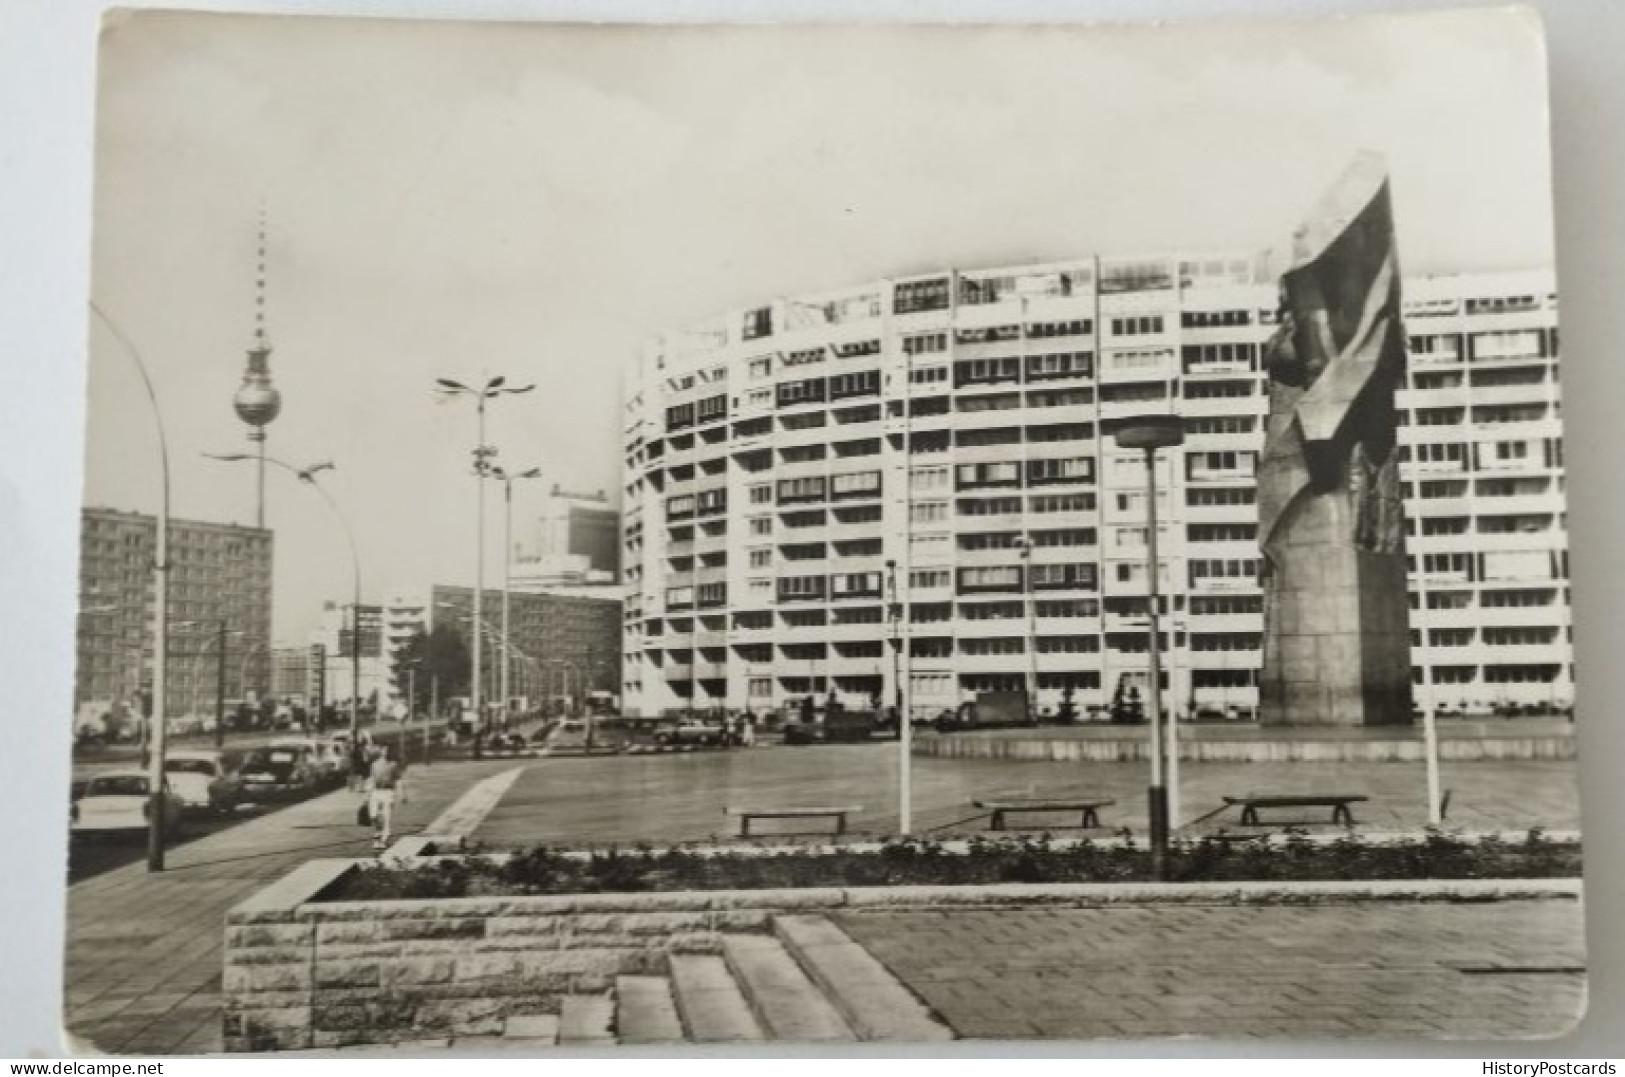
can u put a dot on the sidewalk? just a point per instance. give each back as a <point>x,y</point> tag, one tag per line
<point>144,951</point>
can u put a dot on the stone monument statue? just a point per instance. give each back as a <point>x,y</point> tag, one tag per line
<point>1336,648</point>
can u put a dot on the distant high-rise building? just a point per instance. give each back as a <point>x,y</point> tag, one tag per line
<point>955,429</point>
<point>290,673</point>
<point>219,574</point>
<point>577,541</point>
<point>565,642</point>
<point>334,635</point>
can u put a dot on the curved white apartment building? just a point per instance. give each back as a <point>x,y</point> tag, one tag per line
<point>783,462</point>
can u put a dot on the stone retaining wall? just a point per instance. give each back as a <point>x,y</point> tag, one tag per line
<point>301,972</point>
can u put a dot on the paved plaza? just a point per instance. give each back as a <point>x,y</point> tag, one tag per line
<point>1389,971</point>
<point>670,798</point>
<point>144,951</point>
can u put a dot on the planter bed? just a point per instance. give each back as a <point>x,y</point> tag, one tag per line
<point>977,861</point>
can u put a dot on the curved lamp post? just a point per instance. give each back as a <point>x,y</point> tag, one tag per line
<point>307,475</point>
<point>483,454</point>
<point>1150,433</point>
<point>507,481</point>
<point>158,723</point>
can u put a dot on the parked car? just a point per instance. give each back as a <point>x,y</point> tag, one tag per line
<point>119,801</point>
<point>201,781</point>
<point>331,758</point>
<point>280,770</point>
<point>691,731</point>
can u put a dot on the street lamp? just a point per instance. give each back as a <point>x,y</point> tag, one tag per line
<point>1150,433</point>
<point>483,453</point>
<point>1029,607</point>
<point>307,475</point>
<point>905,722</point>
<point>507,481</point>
<point>158,737</point>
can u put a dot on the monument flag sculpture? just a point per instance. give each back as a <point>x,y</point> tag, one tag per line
<point>1336,648</point>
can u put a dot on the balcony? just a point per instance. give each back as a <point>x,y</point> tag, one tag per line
<point>677,671</point>
<point>1223,659</point>
<point>989,418</point>
<point>1513,394</point>
<point>1013,664</point>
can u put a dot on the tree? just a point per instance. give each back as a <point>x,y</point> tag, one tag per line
<point>440,654</point>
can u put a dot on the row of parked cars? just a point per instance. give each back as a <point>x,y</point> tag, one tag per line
<point>201,783</point>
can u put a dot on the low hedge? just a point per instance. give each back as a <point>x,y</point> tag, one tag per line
<point>916,862</point>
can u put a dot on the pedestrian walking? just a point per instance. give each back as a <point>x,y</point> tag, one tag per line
<point>384,789</point>
<point>360,765</point>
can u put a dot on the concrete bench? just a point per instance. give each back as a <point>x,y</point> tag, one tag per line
<point>838,814</point>
<point>1088,809</point>
<point>1338,802</point>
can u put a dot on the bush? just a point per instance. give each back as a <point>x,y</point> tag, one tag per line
<point>921,861</point>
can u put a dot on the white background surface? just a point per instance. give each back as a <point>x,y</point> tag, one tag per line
<point>47,71</point>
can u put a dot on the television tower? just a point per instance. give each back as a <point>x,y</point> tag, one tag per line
<point>257,401</point>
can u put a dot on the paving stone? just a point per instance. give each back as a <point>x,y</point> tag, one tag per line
<point>536,1029</point>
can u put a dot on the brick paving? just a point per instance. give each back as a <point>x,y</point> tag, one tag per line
<point>1392,971</point>
<point>143,956</point>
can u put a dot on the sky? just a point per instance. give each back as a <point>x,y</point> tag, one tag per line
<point>466,200</point>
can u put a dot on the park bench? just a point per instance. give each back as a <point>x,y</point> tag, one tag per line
<point>1338,802</point>
<point>838,814</point>
<point>1006,806</point>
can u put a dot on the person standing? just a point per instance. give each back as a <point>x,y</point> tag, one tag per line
<point>384,783</point>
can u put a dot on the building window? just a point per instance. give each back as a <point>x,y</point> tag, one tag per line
<point>801,588</point>
<point>1047,503</point>
<point>1075,469</point>
<point>928,512</point>
<point>854,584</point>
<point>809,390</point>
<point>855,484</point>
<point>992,578</point>
<point>1004,473</point>
<point>761,558</point>
<point>987,371</point>
<point>925,343</point>
<point>757,323</point>
<point>860,383</point>
<point>1137,326</point>
<point>916,296</point>
<point>928,578</point>
<point>761,493</point>
<point>1211,319</point>
<point>810,488</point>
<point>1073,577</point>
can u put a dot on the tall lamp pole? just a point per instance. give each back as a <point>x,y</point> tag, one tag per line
<point>307,475</point>
<point>905,723</point>
<point>483,453</point>
<point>158,723</point>
<point>1025,545</point>
<point>507,481</point>
<point>1150,433</point>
